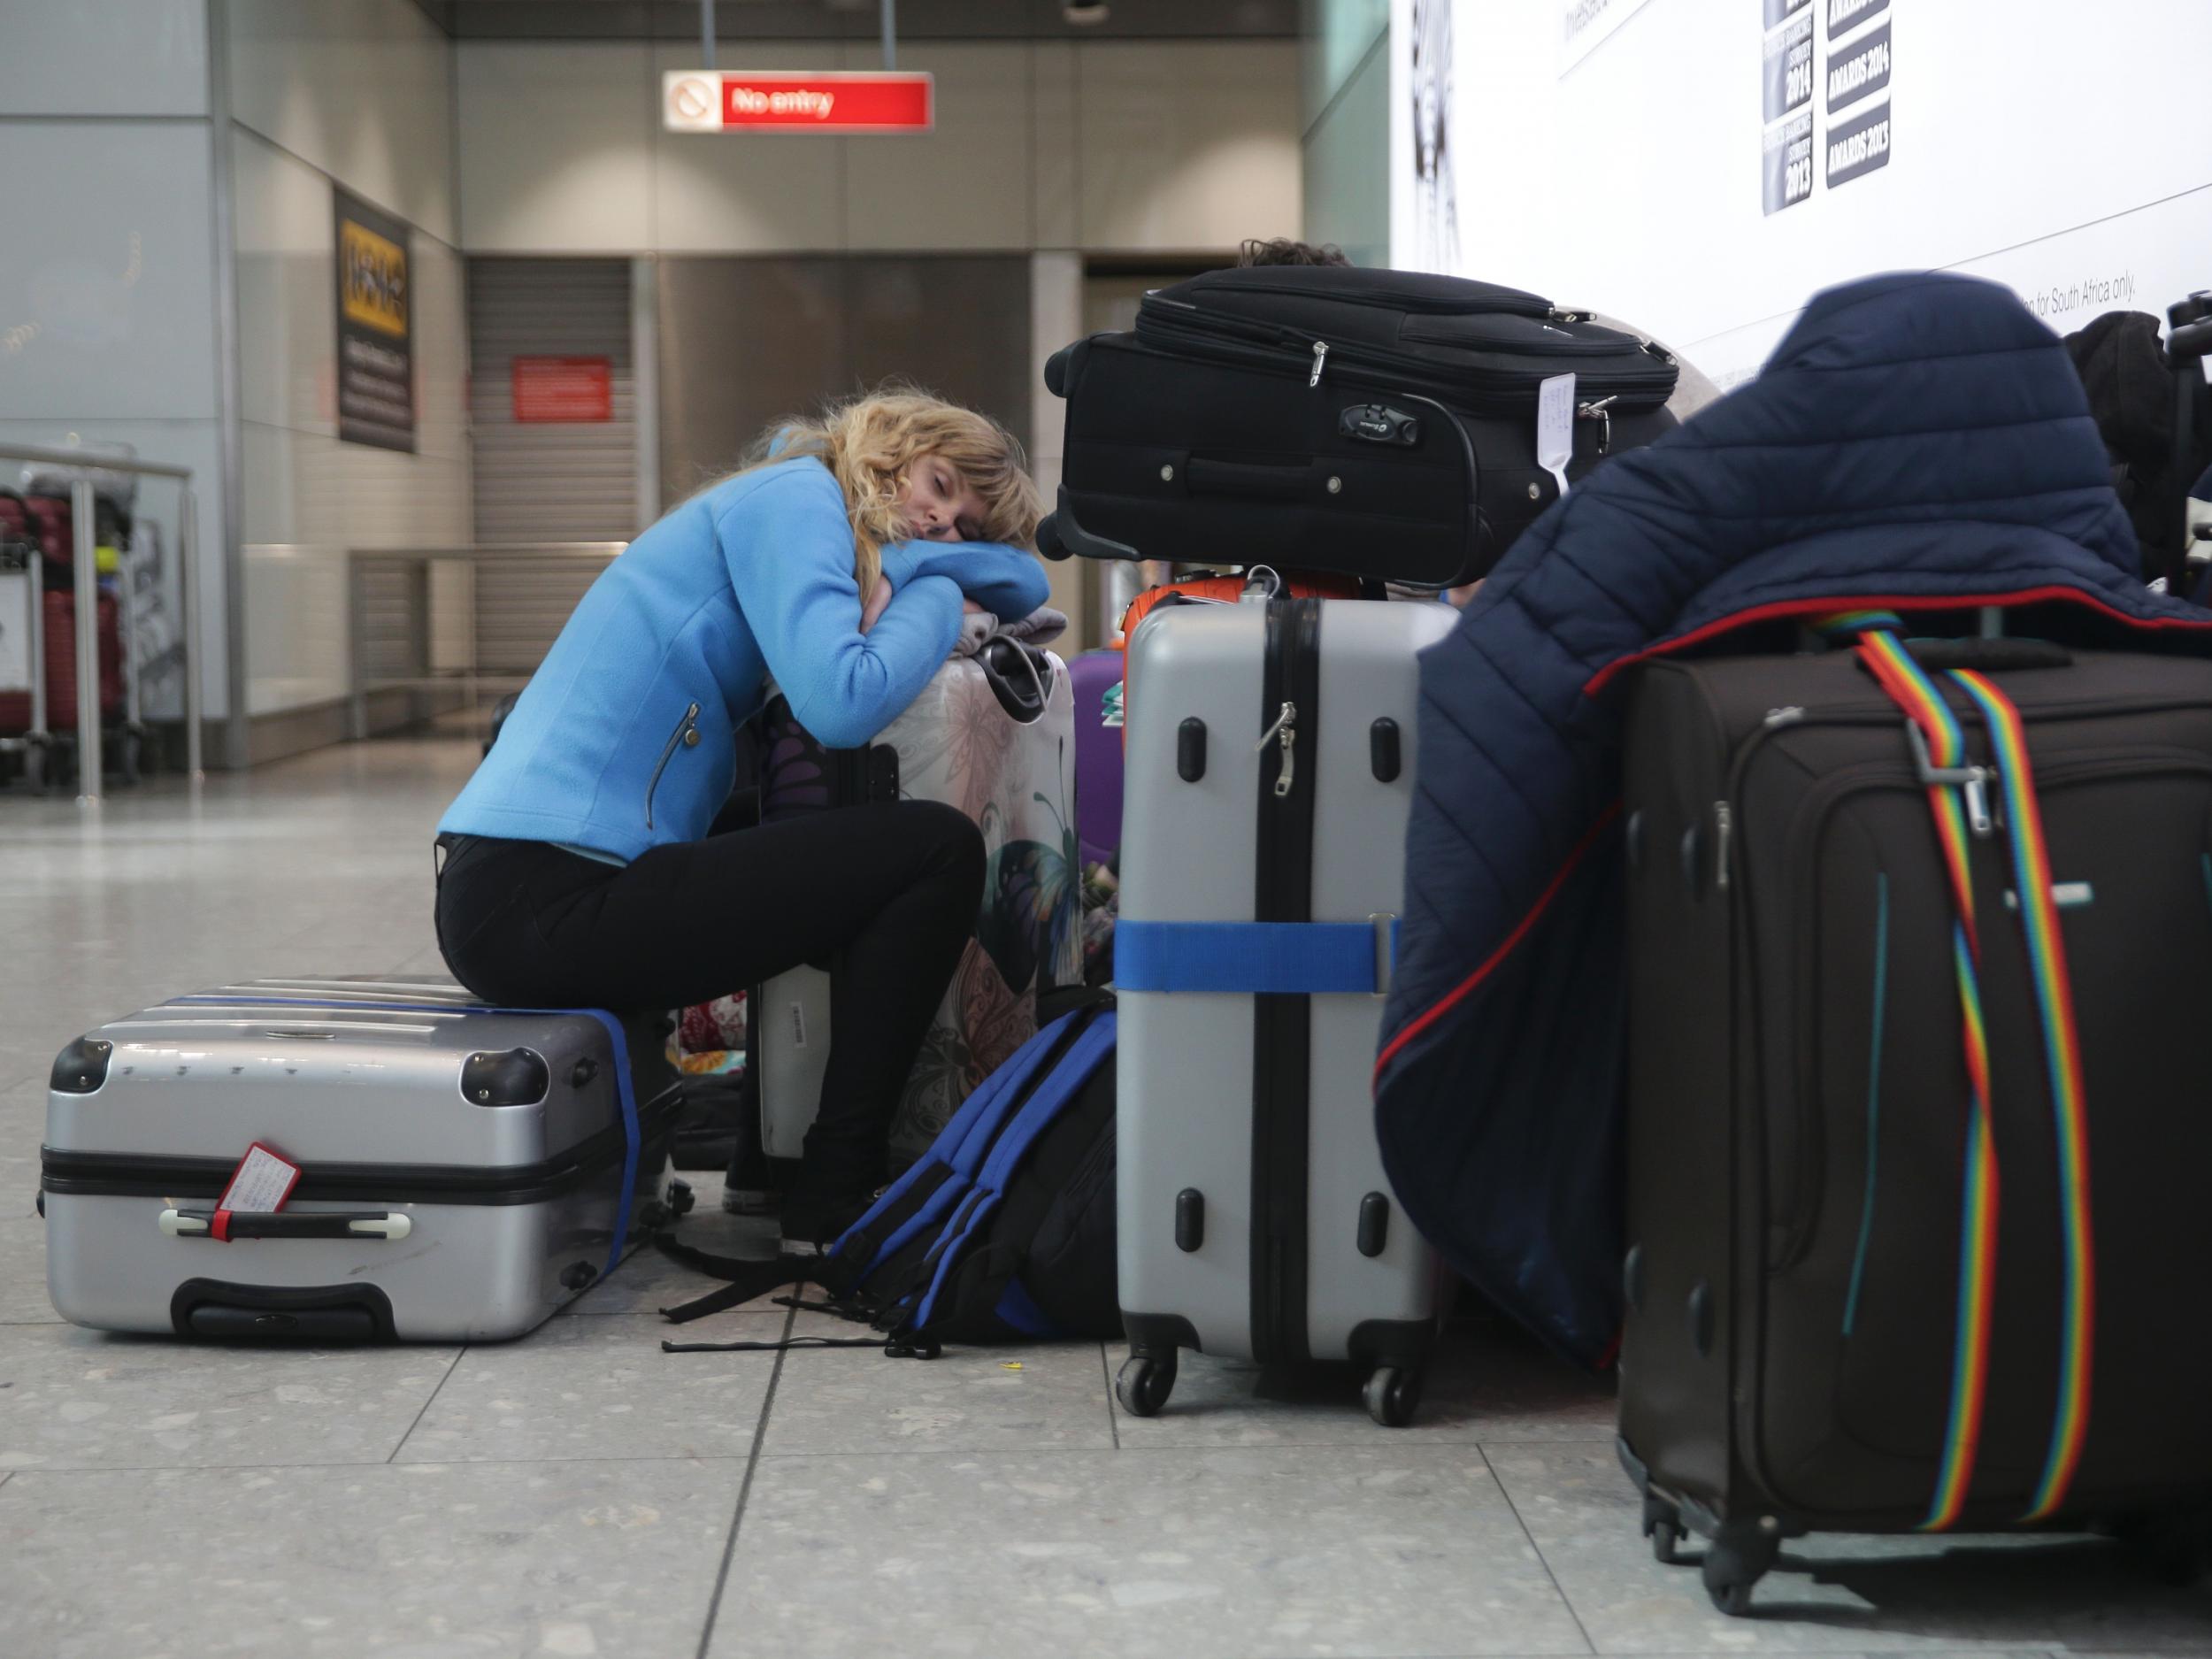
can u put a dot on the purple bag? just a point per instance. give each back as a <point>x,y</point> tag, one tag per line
<point>1097,757</point>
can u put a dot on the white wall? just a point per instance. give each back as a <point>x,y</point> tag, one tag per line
<point>2062,149</point>
<point>107,311</point>
<point>1106,146</point>
<point>116,57</point>
<point>354,93</point>
<point>361,89</point>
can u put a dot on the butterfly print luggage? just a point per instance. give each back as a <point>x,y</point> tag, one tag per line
<point>1269,770</point>
<point>993,734</point>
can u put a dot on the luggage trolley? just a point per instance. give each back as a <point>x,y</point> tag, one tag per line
<point>22,593</point>
<point>23,607</point>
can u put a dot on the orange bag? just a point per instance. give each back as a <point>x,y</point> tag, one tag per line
<point>1227,590</point>
<point>1220,590</point>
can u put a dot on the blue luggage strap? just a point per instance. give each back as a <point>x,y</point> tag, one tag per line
<point>626,1091</point>
<point>1267,958</point>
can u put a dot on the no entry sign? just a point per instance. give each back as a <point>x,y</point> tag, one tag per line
<point>727,100</point>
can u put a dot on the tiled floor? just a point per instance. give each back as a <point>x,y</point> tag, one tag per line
<point>583,1492</point>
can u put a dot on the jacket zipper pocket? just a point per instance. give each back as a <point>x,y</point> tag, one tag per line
<point>687,731</point>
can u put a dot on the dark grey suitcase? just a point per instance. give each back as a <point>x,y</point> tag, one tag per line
<point>1798,1103</point>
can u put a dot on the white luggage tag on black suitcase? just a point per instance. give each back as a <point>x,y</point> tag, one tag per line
<point>1269,774</point>
<point>461,1171</point>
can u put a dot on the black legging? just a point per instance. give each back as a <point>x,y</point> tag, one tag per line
<point>890,889</point>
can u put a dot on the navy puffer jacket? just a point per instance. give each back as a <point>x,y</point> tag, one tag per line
<point>1916,441</point>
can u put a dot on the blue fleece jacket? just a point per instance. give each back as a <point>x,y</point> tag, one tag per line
<point>623,739</point>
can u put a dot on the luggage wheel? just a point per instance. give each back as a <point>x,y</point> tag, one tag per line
<point>1738,1557</point>
<point>1393,1395</point>
<point>1662,1525</point>
<point>1144,1383</point>
<point>2175,1548</point>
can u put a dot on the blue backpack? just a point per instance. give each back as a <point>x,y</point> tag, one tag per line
<point>1005,1229</point>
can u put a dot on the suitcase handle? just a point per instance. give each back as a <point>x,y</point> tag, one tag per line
<point>1242,477</point>
<point>1995,654</point>
<point>295,1223</point>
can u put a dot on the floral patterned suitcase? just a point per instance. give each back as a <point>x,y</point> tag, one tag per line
<point>994,734</point>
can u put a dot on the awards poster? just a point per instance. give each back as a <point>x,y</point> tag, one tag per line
<point>376,356</point>
<point>1700,169</point>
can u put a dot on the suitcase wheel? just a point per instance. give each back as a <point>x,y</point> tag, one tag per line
<point>1144,1384</point>
<point>1393,1395</point>
<point>2177,1548</point>
<point>1662,1525</point>
<point>1737,1559</point>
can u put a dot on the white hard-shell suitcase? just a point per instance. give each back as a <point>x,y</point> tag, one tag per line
<point>959,743</point>
<point>464,1171</point>
<point>1268,772</point>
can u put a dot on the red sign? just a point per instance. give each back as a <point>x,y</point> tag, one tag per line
<point>564,388</point>
<point>705,101</point>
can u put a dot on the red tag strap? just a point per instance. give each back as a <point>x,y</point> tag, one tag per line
<point>219,1228</point>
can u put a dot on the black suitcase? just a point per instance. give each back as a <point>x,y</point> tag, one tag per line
<point>1380,424</point>
<point>1798,1106</point>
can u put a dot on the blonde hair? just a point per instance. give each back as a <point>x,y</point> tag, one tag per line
<point>871,442</point>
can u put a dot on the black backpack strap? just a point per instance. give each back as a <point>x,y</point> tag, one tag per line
<point>747,1279</point>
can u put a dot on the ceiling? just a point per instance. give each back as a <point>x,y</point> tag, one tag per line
<point>739,22</point>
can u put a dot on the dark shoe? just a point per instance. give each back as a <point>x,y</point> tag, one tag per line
<point>821,1220</point>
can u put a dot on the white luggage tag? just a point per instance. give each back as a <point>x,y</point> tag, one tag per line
<point>1556,426</point>
<point>260,1185</point>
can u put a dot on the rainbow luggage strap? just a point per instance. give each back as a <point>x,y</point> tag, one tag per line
<point>1955,793</point>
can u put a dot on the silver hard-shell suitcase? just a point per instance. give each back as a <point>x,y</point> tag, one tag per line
<point>1268,772</point>
<point>464,1171</point>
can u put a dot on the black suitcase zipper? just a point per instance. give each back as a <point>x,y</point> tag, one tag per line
<point>1814,812</point>
<point>1497,392</point>
<point>1495,298</point>
<point>1871,774</point>
<point>1282,1025</point>
<point>140,1175</point>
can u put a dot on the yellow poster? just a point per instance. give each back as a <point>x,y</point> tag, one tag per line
<point>376,353</point>
<point>374,275</point>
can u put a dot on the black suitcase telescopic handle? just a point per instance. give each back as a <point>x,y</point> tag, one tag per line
<point>295,1224</point>
<point>2190,342</point>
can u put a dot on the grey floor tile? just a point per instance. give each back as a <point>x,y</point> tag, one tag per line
<point>429,959</point>
<point>18,1180</point>
<point>1484,1382</point>
<point>601,1388</point>
<point>419,1562</point>
<point>1837,1594</point>
<point>1037,1397</point>
<point>77,1398</point>
<point>23,1272</point>
<point>1294,1551</point>
<point>649,1281</point>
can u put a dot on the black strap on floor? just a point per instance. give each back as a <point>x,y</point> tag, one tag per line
<point>773,1348</point>
<point>890,1347</point>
